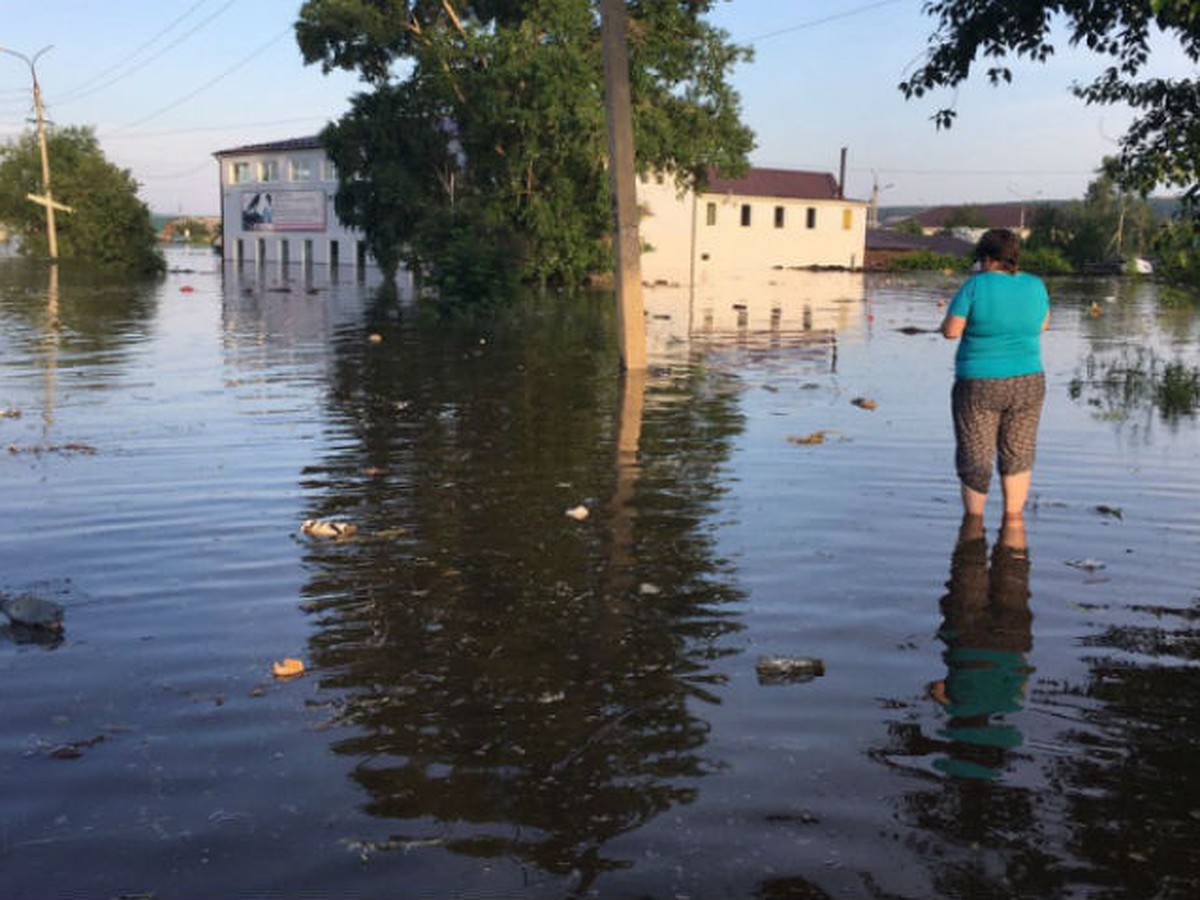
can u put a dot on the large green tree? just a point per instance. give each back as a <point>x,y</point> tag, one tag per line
<point>1161,147</point>
<point>110,227</point>
<point>478,153</point>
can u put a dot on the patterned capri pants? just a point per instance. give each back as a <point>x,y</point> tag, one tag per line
<point>996,419</point>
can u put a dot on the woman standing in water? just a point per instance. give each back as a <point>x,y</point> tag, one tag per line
<point>998,315</point>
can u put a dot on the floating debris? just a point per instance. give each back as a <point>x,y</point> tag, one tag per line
<point>327,528</point>
<point>10,413</point>
<point>1086,565</point>
<point>788,669</point>
<point>29,611</point>
<point>66,449</point>
<point>864,403</point>
<point>578,513</point>
<point>1114,511</point>
<point>287,668</point>
<point>816,437</point>
<point>913,329</point>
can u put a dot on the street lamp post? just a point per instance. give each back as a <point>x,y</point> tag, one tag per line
<point>46,198</point>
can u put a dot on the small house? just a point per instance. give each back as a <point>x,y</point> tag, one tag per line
<point>769,219</point>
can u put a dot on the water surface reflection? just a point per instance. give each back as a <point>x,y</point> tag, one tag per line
<point>515,682</point>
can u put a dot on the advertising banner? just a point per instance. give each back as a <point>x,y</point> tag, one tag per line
<point>283,211</point>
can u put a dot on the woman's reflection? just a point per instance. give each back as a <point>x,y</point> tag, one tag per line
<point>986,626</point>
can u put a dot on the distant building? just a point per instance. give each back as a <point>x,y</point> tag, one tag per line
<point>1014,216</point>
<point>277,206</point>
<point>769,219</point>
<point>884,246</point>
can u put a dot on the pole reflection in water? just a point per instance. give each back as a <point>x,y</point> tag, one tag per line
<point>987,631</point>
<point>53,329</point>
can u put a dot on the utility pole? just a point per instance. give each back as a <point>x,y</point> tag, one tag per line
<point>46,198</point>
<point>631,323</point>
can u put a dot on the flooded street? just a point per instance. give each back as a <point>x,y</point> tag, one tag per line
<point>504,700</point>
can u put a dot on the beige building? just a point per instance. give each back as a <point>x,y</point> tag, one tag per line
<point>770,219</point>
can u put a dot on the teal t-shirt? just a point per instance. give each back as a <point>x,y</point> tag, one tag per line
<point>1004,314</point>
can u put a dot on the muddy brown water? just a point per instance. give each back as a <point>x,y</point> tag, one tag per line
<point>502,700</point>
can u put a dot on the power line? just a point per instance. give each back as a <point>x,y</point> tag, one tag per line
<point>206,85</point>
<point>82,92</point>
<point>822,21</point>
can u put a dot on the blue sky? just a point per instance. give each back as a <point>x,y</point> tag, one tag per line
<point>166,83</point>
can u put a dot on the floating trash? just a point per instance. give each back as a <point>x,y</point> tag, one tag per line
<point>287,668</point>
<point>578,513</point>
<point>327,528</point>
<point>788,669</point>
<point>864,403</point>
<point>816,437</point>
<point>1086,565</point>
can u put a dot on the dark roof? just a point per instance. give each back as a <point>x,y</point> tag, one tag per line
<point>997,215</point>
<point>883,239</point>
<point>301,143</point>
<point>788,183</point>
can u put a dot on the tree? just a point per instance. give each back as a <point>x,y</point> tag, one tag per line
<point>965,217</point>
<point>109,227</point>
<point>479,152</point>
<point>1162,145</point>
<point>1107,225</point>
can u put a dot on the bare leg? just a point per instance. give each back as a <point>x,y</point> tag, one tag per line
<point>974,502</point>
<point>1016,492</point>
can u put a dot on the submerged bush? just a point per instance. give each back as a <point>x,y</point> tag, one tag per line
<point>927,260</point>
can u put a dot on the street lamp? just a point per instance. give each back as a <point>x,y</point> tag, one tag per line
<point>46,198</point>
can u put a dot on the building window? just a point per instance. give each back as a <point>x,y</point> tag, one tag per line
<point>268,170</point>
<point>779,217</point>
<point>299,170</point>
<point>710,214</point>
<point>847,219</point>
<point>328,170</point>
<point>745,215</point>
<point>239,173</point>
<point>810,217</point>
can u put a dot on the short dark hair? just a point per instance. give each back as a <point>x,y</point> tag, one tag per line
<point>999,244</point>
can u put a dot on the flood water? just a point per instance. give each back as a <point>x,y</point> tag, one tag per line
<point>502,700</point>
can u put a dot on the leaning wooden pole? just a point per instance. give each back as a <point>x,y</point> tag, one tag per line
<point>631,323</point>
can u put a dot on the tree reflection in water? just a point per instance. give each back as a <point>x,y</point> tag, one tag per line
<point>515,683</point>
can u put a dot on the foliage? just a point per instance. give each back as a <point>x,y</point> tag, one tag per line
<point>1162,145</point>
<point>1177,251</point>
<point>965,217</point>
<point>485,121</point>
<point>1143,380</point>
<point>908,226</point>
<point>1107,225</point>
<point>928,261</point>
<point>1045,260</point>
<point>109,227</point>
<point>190,230</point>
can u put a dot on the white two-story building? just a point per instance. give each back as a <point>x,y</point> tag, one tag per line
<point>277,207</point>
<point>769,219</point>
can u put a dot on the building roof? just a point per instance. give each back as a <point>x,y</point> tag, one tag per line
<point>997,215</point>
<point>897,241</point>
<point>312,142</point>
<point>789,183</point>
